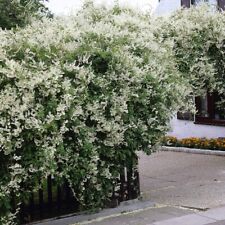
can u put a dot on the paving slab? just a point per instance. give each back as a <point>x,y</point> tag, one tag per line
<point>218,223</point>
<point>192,219</point>
<point>183,179</point>
<point>124,208</point>
<point>217,213</point>
<point>142,217</point>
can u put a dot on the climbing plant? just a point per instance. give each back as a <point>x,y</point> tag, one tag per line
<point>199,47</point>
<point>79,96</point>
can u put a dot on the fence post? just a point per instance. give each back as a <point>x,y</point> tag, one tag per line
<point>31,205</point>
<point>59,198</point>
<point>41,199</point>
<point>130,185</point>
<point>49,184</point>
<point>13,202</point>
<point>122,185</point>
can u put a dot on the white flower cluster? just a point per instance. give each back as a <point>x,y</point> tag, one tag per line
<point>80,95</point>
<point>199,38</point>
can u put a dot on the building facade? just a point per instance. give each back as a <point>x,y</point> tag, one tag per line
<point>209,122</point>
<point>168,6</point>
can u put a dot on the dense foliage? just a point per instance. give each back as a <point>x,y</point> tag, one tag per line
<point>199,47</point>
<point>19,12</point>
<point>79,96</point>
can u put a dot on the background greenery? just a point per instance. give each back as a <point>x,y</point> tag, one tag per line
<point>19,12</point>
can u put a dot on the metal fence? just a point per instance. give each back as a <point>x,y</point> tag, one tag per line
<point>54,201</point>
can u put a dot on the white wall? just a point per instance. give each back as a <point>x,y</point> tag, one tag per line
<point>166,7</point>
<point>185,128</point>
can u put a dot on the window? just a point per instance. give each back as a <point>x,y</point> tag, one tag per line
<point>208,110</point>
<point>211,2</point>
<point>188,3</point>
<point>186,115</point>
<point>221,4</point>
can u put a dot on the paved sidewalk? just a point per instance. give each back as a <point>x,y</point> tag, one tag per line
<point>183,179</point>
<point>141,217</point>
<point>210,217</point>
<point>157,217</point>
<point>153,215</point>
<point>218,223</point>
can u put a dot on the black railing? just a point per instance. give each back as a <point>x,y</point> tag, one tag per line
<point>54,201</point>
<point>49,201</point>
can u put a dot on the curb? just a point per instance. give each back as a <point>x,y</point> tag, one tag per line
<point>124,208</point>
<point>193,150</point>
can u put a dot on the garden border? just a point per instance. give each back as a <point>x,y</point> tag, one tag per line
<point>193,150</point>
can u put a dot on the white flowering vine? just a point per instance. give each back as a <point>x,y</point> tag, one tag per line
<point>79,96</point>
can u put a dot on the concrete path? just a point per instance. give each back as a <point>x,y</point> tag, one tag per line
<point>183,179</point>
<point>210,217</point>
<point>157,215</point>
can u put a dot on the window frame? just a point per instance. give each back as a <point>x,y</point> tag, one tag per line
<point>188,3</point>
<point>200,119</point>
<point>210,120</point>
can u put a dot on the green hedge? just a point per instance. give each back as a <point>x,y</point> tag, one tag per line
<point>79,96</point>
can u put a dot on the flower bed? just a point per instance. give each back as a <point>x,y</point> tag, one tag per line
<point>193,142</point>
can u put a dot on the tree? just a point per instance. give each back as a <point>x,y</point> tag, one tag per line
<point>19,12</point>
